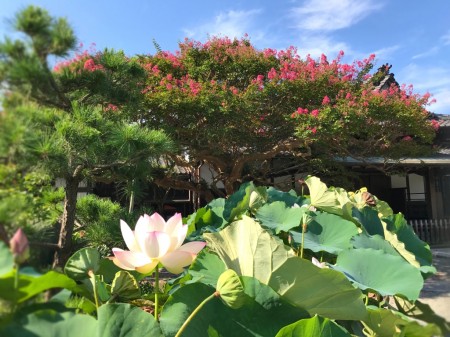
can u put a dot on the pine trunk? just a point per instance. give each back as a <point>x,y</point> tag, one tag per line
<point>64,250</point>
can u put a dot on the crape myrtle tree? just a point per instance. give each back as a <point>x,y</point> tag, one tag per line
<point>77,123</point>
<point>235,108</point>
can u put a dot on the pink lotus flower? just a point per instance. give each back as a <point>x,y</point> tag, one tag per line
<point>19,246</point>
<point>156,241</point>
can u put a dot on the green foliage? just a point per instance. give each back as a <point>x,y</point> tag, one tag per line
<point>73,122</point>
<point>7,259</point>
<point>82,263</point>
<point>312,327</point>
<point>326,233</point>
<point>258,105</point>
<point>230,289</point>
<point>251,279</point>
<point>381,272</point>
<point>263,313</point>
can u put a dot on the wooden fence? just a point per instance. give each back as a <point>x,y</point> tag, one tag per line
<point>434,232</point>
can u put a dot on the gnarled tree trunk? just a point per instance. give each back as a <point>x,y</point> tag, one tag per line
<point>64,250</point>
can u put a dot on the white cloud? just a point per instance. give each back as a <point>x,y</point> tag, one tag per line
<point>315,45</point>
<point>384,54</point>
<point>429,52</point>
<point>330,15</point>
<point>446,38</point>
<point>231,24</point>
<point>435,80</point>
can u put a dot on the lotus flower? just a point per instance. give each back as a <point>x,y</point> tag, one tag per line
<point>19,246</point>
<point>156,241</point>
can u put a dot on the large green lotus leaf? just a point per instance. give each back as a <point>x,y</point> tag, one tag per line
<point>386,323</point>
<point>125,286</point>
<point>81,263</point>
<point>324,292</point>
<point>313,327</point>
<point>383,208</point>
<point>248,249</point>
<point>206,268</point>
<point>50,323</point>
<point>264,312</point>
<point>7,259</point>
<point>327,232</point>
<point>399,246</point>
<point>369,220</point>
<point>238,203</point>
<point>377,242</point>
<point>30,286</point>
<point>398,225</point>
<point>322,197</point>
<point>381,272</point>
<point>277,217</point>
<point>251,251</point>
<point>217,203</point>
<point>289,198</point>
<point>125,320</point>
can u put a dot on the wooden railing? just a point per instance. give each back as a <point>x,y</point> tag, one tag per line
<point>434,232</point>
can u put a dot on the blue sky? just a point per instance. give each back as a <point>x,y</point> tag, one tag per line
<point>412,35</point>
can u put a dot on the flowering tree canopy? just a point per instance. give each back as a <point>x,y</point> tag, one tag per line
<point>235,108</point>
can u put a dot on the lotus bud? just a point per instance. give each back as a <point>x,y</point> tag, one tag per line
<point>19,246</point>
<point>230,289</point>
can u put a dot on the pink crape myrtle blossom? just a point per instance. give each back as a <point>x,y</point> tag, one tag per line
<point>156,241</point>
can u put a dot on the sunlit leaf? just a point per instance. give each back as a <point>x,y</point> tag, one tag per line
<point>384,273</point>
<point>321,196</point>
<point>278,217</point>
<point>82,262</point>
<point>6,258</point>
<point>251,251</point>
<point>313,327</point>
<point>263,313</point>
<point>327,232</point>
<point>125,286</point>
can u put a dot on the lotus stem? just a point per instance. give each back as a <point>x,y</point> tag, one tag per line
<point>156,289</point>
<point>303,239</point>
<point>94,286</point>
<point>16,277</point>
<point>192,315</point>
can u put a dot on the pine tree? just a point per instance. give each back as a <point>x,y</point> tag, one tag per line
<point>78,114</point>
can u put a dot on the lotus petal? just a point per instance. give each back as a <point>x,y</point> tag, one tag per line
<point>178,237</point>
<point>148,267</point>
<point>193,247</point>
<point>174,224</point>
<point>157,223</point>
<point>175,261</point>
<point>128,237</point>
<point>130,260</point>
<point>143,225</point>
<point>154,244</point>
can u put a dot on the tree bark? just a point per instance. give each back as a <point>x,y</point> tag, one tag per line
<point>67,223</point>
